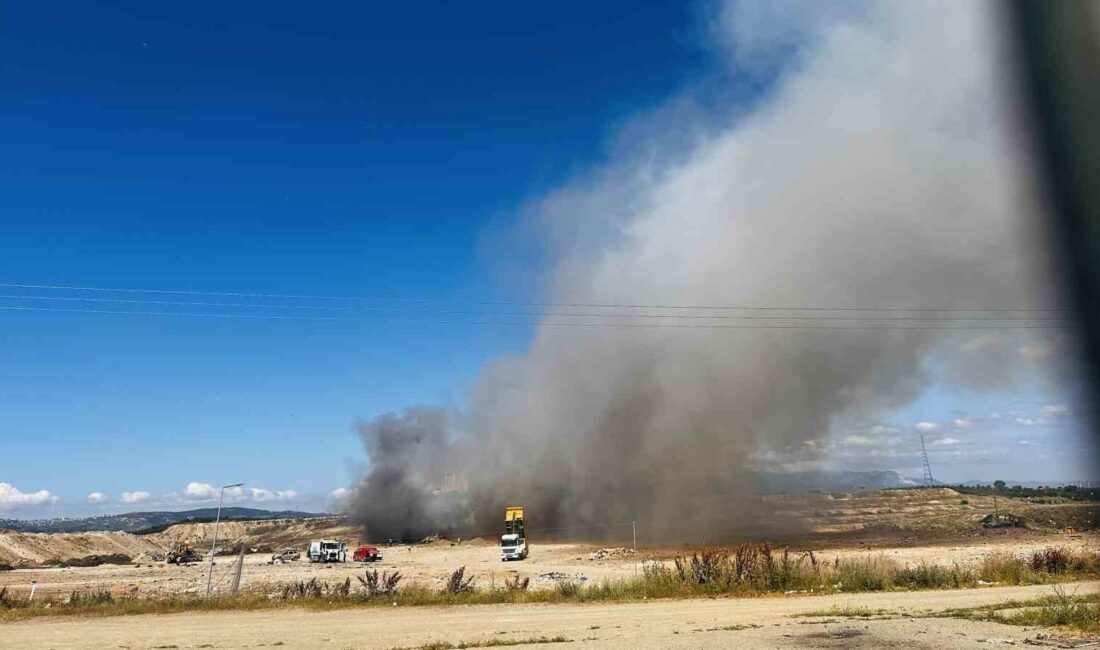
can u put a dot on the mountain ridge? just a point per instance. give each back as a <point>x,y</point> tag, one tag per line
<point>131,522</point>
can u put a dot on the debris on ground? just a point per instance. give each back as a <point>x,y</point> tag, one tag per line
<point>558,576</point>
<point>96,560</point>
<point>1045,640</point>
<point>1003,520</point>
<point>605,553</point>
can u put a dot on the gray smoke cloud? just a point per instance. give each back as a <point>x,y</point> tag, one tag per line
<point>880,169</point>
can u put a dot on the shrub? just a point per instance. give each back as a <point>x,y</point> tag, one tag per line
<point>8,600</point>
<point>1050,560</point>
<point>709,567</point>
<point>516,583</point>
<point>314,588</point>
<point>384,585</point>
<point>568,588</point>
<point>925,576</point>
<point>865,574</point>
<point>1005,568</point>
<point>94,597</point>
<point>458,583</point>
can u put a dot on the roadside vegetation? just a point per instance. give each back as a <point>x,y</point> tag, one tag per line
<point>1059,610</point>
<point>747,570</point>
<point>848,612</point>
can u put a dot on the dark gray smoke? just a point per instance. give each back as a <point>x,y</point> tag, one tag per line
<point>408,460</point>
<point>879,170</point>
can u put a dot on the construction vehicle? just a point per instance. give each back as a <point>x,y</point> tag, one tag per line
<point>513,543</point>
<point>327,550</point>
<point>181,553</point>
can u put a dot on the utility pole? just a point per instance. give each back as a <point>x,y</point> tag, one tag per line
<point>214,545</point>
<point>634,531</point>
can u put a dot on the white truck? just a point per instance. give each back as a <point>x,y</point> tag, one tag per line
<point>327,550</point>
<point>513,543</point>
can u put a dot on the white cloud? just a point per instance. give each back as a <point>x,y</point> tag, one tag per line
<point>962,423</point>
<point>947,440</point>
<point>196,491</point>
<point>260,494</point>
<point>97,498</point>
<point>1054,409</point>
<point>11,497</point>
<point>925,427</point>
<point>1030,422</point>
<point>880,429</point>
<point>137,496</point>
<point>339,493</point>
<point>858,441</point>
<point>1027,442</point>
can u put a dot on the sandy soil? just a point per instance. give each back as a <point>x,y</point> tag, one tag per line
<point>35,548</point>
<point>769,622</point>
<point>429,564</point>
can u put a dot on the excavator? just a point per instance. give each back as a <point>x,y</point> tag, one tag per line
<point>513,543</point>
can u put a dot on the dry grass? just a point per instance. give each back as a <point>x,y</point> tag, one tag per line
<point>1059,609</point>
<point>847,612</point>
<point>517,583</point>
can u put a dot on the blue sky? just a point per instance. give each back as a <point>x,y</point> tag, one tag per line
<point>350,149</point>
<point>346,149</point>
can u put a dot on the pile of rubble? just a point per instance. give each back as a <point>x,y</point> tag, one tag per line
<point>96,560</point>
<point>605,553</point>
<point>558,576</point>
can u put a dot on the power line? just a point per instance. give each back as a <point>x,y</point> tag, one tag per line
<point>882,326</point>
<point>174,302</point>
<point>54,287</point>
<point>542,313</point>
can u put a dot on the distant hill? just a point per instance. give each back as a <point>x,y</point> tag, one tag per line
<point>833,481</point>
<point>143,521</point>
<point>1032,484</point>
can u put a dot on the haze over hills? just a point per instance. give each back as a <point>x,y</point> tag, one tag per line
<point>833,481</point>
<point>136,521</point>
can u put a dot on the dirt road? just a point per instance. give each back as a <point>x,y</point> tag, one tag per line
<point>657,624</point>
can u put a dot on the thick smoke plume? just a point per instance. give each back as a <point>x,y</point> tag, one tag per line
<point>879,169</point>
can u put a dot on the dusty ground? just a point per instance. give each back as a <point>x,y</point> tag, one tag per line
<point>766,623</point>
<point>430,563</point>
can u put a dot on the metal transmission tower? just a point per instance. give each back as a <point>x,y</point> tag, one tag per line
<point>928,480</point>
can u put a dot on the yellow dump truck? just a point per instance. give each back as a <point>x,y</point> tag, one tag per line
<point>513,543</point>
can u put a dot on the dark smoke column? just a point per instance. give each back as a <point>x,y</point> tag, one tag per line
<point>399,498</point>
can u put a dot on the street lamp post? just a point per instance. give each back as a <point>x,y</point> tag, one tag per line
<point>217,522</point>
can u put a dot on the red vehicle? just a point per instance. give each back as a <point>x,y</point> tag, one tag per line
<point>366,554</point>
